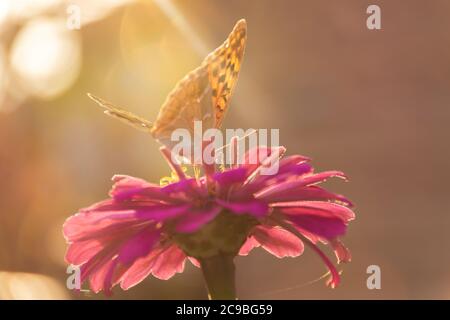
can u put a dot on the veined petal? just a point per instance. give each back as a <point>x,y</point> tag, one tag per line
<point>254,157</point>
<point>311,193</point>
<point>335,278</point>
<point>225,180</point>
<point>79,228</point>
<point>319,208</point>
<point>286,172</point>
<point>81,251</point>
<point>163,263</point>
<point>254,207</point>
<point>195,219</point>
<point>289,168</point>
<point>114,205</point>
<point>324,227</point>
<point>127,187</point>
<point>249,244</point>
<point>277,241</point>
<point>185,189</point>
<point>194,262</point>
<point>85,221</point>
<point>137,246</point>
<point>140,269</point>
<point>281,188</point>
<point>268,162</point>
<point>341,251</point>
<point>230,177</point>
<point>168,263</point>
<point>162,213</point>
<point>100,278</point>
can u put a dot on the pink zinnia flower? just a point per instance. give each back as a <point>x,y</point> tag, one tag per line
<point>146,228</point>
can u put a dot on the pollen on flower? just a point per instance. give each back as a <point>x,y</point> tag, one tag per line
<point>164,181</point>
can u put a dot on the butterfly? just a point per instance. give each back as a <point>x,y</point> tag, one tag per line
<point>202,95</point>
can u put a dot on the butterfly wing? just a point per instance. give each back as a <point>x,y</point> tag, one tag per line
<point>122,115</point>
<point>189,101</point>
<point>203,94</point>
<point>224,65</point>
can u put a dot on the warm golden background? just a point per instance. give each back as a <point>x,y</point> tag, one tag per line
<point>375,104</point>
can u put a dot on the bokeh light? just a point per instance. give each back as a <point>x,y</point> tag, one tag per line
<point>29,286</point>
<point>3,76</point>
<point>46,57</point>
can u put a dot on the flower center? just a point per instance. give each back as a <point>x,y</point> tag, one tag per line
<point>224,235</point>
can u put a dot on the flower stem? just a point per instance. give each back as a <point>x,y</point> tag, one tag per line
<point>219,274</point>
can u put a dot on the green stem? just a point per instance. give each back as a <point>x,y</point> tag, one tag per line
<point>219,274</point>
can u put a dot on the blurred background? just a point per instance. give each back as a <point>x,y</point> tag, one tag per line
<point>374,104</point>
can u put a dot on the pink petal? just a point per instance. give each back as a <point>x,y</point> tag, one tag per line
<point>114,205</point>
<point>139,245</point>
<point>195,262</point>
<point>311,193</point>
<point>98,280</point>
<point>319,208</point>
<point>292,160</point>
<point>289,168</point>
<point>254,157</point>
<point>90,225</point>
<point>88,221</point>
<point>175,166</point>
<point>168,263</point>
<point>127,188</point>
<point>335,278</point>
<point>162,213</point>
<point>230,177</point>
<point>187,186</point>
<point>279,242</point>
<point>140,269</point>
<point>328,228</point>
<point>195,219</point>
<point>275,154</point>
<point>102,269</point>
<point>281,188</point>
<point>341,251</point>
<point>163,263</point>
<point>76,228</point>
<point>254,207</point>
<point>248,246</point>
<point>80,252</point>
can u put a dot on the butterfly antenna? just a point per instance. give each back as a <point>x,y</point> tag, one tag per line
<point>239,139</point>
